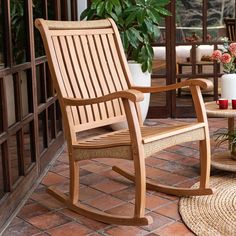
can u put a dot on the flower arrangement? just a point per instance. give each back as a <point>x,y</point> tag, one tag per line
<point>226,56</point>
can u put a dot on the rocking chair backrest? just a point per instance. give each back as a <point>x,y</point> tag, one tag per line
<point>86,60</point>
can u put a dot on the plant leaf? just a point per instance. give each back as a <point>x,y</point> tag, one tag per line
<point>132,38</point>
<point>141,16</point>
<point>130,19</point>
<point>114,17</point>
<point>108,7</point>
<point>155,18</point>
<point>159,2</point>
<point>162,11</point>
<point>100,8</point>
<point>86,13</point>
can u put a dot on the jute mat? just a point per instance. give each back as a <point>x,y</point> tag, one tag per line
<point>213,215</point>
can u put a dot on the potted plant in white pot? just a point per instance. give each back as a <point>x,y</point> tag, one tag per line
<point>137,22</point>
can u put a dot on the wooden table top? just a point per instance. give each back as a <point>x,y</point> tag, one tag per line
<point>212,110</point>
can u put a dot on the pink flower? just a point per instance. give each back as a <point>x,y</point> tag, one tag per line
<point>226,58</point>
<point>232,49</point>
<point>216,55</point>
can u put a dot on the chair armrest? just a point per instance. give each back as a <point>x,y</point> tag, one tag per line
<point>131,94</point>
<point>203,83</point>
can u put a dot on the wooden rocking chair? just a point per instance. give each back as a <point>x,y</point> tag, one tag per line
<point>95,88</point>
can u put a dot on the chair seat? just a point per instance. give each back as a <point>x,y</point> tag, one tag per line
<point>118,145</point>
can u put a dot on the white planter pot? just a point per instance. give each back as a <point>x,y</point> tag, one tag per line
<point>140,78</point>
<point>143,79</point>
<point>228,86</point>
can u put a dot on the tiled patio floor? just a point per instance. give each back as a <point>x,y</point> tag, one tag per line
<point>105,190</point>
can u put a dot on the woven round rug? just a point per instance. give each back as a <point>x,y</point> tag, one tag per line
<point>213,215</point>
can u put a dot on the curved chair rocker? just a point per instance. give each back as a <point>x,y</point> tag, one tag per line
<point>94,87</point>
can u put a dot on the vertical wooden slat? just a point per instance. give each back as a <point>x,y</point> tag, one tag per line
<point>41,85</point>
<point>46,128</point>
<point>33,147</point>
<point>77,77</point>
<point>18,97</point>
<point>20,152</point>
<point>104,80</point>
<point>81,80</point>
<point>53,121</point>
<point>69,76</point>
<point>114,80</point>
<point>88,93</point>
<point>60,81</point>
<point>4,146</point>
<point>66,89</point>
<point>74,11</point>
<point>44,78</point>
<point>4,104</point>
<point>29,75</point>
<point>1,107</point>
<point>102,86</point>
<point>94,89</point>
<point>117,66</point>
<point>6,168</point>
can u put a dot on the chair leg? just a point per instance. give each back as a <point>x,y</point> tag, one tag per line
<point>205,163</point>
<point>140,187</point>
<point>74,181</point>
<point>73,204</point>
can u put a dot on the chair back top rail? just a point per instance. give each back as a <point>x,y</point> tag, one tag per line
<point>72,25</point>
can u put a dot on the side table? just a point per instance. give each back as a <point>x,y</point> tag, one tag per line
<point>222,160</point>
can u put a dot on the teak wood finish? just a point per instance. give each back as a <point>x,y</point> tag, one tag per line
<point>95,88</point>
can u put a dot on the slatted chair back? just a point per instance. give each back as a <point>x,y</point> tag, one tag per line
<point>86,60</point>
<point>230,24</point>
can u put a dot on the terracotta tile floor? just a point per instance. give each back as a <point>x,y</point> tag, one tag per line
<point>105,190</point>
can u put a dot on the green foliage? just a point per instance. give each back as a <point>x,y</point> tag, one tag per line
<point>223,134</point>
<point>18,30</point>
<point>137,21</point>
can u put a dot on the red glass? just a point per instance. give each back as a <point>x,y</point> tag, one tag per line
<point>234,103</point>
<point>223,103</point>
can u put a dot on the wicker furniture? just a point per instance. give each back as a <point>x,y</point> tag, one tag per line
<point>94,87</point>
<point>222,160</point>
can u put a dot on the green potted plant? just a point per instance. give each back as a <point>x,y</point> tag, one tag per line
<point>137,22</point>
<point>223,135</point>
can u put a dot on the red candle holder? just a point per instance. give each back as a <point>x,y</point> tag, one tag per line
<point>223,103</point>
